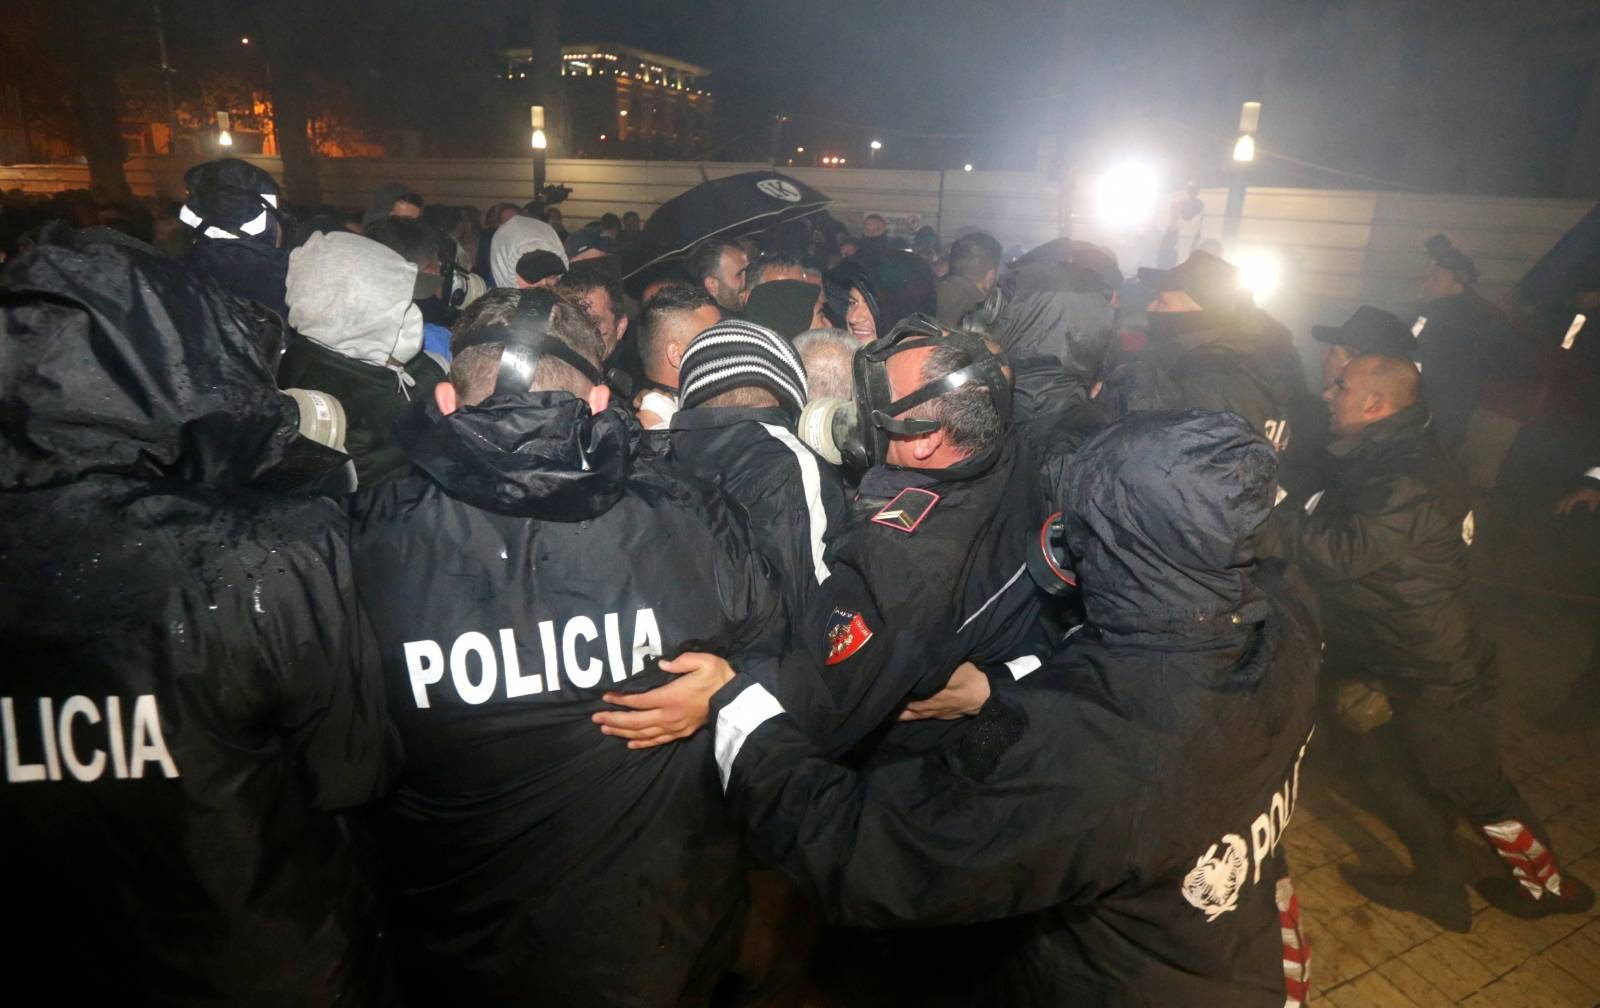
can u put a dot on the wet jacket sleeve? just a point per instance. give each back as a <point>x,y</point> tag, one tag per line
<point>1344,543</point>
<point>977,834</point>
<point>326,666</point>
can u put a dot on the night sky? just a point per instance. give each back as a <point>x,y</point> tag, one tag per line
<point>846,69</point>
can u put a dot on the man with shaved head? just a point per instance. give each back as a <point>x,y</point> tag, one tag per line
<point>1385,543</point>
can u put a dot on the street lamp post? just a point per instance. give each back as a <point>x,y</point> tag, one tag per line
<point>224,138</point>
<point>1244,154</point>
<point>872,159</point>
<point>536,120</point>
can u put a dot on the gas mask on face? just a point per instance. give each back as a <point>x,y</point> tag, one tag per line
<point>524,343</point>
<point>856,433</point>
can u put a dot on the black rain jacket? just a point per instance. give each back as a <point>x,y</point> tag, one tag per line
<point>1385,546</point>
<point>374,399</point>
<point>796,501</point>
<point>1130,797</point>
<point>246,268</point>
<point>188,684</point>
<point>530,565</point>
<point>1226,361</point>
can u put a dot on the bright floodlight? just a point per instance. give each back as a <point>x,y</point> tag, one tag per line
<point>1260,272</point>
<point>1125,197</point>
<point>225,139</point>
<point>539,141</point>
<point>1245,150</point>
<point>966,167</point>
<point>877,145</point>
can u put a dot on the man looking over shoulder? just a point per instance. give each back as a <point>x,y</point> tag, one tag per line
<point>1384,543</point>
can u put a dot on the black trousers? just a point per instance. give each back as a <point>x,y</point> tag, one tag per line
<point>1438,760</point>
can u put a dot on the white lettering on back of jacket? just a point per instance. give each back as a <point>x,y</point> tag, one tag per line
<point>581,653</point>
<point>81,740</point>
<point>1219,875</point>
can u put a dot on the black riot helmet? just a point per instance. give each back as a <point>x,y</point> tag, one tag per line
<point>526,338</point>
<point>880,413</point>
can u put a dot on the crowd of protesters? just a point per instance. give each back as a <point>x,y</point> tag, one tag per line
<point>420,604</point>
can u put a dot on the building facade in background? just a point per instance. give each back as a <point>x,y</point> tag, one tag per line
<point>625,102</point>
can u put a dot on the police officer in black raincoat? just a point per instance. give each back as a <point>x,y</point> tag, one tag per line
<point>1131,797</point>
<point>188,686</point>
<point>929,572</point>
<point>531,565</point>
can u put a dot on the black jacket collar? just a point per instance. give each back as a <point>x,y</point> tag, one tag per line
<point>542,455</point>
<point>1408,423</point>
<point>716,417</point>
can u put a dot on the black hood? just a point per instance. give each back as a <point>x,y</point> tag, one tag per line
<point>1060,311</point>
<point>1162,517</point>
<point>541,455</point>
<point>896,284</point>
<point>119,360</point>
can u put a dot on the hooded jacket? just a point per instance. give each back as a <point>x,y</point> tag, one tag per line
<point>1056,328</point>
<point>350,298</point>
<point>895,284</point>
<point>1231,361</point>
<point>189,687</point>
<point>531,564</point>
<point>1130,797</point>
<point>515,239</point>
<point>1385,544</point>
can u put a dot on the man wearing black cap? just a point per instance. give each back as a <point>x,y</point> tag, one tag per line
<point>1369,331</point>
<point>1212,349</point>
<point>539,269</point>
<point>531,563</point>
<point>233,209</point>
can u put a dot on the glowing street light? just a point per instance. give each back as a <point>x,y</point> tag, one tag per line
<point>872,158</point>
<point>1244,150</point>
<point>224,138</point>
<point>1125,196</point>
<point>967,166</point>
<point>876,145</point>
<point>245,40</point>
<point>536,121</point>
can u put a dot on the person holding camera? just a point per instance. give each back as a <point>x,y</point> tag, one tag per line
<point>1384,543</point>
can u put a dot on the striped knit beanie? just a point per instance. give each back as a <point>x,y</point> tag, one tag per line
<point>735,353</point>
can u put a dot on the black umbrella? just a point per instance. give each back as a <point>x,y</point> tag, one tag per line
<point>723,208</point>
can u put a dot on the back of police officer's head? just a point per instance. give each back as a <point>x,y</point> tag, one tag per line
<point>475,369</point>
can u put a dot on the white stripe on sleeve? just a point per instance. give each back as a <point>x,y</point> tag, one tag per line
<point>736,722</point>
<point>811,483</point>
<point>1020,667</point>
